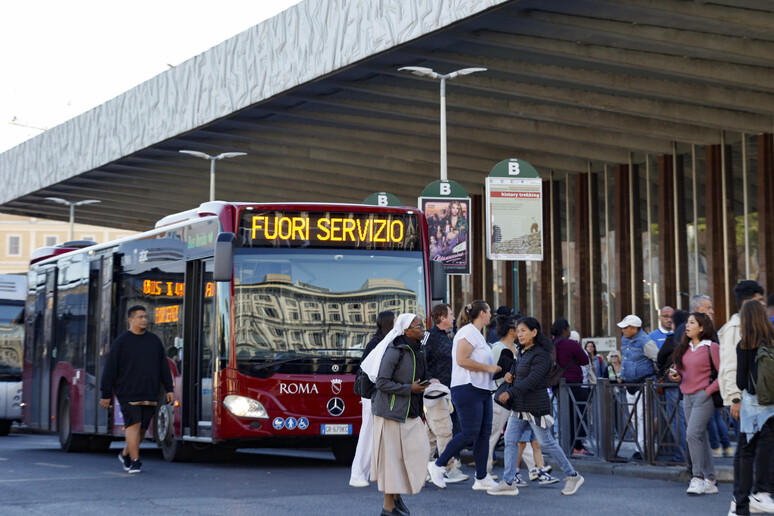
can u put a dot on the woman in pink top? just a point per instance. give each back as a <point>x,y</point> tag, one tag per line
<point>692,369</point>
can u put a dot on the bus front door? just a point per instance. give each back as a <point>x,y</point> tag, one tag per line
<point>198,341</point>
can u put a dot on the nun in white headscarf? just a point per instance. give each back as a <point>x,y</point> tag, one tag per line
<point>400,443</point>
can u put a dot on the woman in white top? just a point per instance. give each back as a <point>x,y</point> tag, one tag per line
<point>471,390</point>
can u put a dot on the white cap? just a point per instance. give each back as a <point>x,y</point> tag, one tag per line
<point>574,335</point>
<point>630,320</point>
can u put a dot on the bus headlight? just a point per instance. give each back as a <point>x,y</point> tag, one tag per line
<point>242,406</point>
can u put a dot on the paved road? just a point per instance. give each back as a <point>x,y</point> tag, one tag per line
<point>36,478</point>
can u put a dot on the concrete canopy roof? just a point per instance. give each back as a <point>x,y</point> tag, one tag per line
<point>571,85</point>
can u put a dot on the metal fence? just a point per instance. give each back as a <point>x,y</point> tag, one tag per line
<point>604,417</point>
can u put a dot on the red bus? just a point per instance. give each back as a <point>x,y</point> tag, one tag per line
<point>263,309</point>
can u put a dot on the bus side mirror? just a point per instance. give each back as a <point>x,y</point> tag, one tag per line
<point>224,256</point>
<point>437,281</point>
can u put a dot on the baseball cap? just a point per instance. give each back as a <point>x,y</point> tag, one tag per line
<point>630,320</point>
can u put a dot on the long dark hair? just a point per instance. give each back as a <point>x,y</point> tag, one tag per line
<point>756,326</point>
<point>707,332</point>
<point>533,324</point>
<point>471,311</point>
<point>384,322</point>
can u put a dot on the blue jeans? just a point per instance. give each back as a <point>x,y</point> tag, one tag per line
<point>513,431</point>
<point>672,396</point>
<point>718,431</point>
<point>475,409</point>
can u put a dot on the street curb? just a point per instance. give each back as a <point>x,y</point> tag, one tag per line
<point>723,473</point>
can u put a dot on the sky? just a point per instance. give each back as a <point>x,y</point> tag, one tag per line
<point>61,58</point>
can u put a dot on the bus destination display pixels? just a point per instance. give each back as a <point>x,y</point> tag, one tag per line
<point>344,230</point>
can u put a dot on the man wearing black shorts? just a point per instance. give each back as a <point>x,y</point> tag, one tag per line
<point>135,368</point>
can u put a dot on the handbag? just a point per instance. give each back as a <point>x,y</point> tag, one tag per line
<point>717,399</point>
<point>363,386</point>
<point>508,405</point>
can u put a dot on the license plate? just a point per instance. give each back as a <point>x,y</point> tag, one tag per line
<point>336,429</point>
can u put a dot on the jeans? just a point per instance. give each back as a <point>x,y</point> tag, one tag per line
<point>547,442</point>
<point>718,431</point>
<point>758,451</point>
<point>672,396</point>
<point>475,409</point>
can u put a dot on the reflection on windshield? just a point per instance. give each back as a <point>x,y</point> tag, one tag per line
<point>11,337</point>
<point>313,303</point>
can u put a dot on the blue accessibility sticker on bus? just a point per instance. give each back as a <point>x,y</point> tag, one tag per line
<point>303,423</point>
<point>278,423</point>
<point>290,423</point>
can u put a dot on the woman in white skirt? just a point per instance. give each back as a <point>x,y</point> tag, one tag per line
<point>400,442</point>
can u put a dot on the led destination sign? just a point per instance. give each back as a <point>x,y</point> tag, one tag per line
<point>325,230</point>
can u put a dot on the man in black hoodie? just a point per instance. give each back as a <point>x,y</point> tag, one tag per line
<point>135,368</point>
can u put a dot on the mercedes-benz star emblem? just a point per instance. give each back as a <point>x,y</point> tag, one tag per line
<point>335,406</point>
<point>335,368</point>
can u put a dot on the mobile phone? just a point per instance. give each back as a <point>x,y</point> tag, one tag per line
<point>424,383</point>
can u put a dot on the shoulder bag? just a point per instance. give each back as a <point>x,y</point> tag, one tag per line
<point>717,399</point>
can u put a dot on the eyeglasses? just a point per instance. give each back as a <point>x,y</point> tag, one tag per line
<point>421,326</point>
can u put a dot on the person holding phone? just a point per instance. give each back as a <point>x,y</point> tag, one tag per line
<point>400,441</point>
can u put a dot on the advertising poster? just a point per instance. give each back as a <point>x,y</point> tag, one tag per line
<point>514,215</point>
<point>449,229</point>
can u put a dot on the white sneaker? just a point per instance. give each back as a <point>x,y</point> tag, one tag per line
<point>732,509</point>
<point>484,484</point>
<point>571,484</point>
<point>696,487</point>
<point>436,474</point>
<point>710,487</point>
<point>503,489</point>
<point>761,503</point>
<point>358,482</point>
<point>454,475</point>
<point>534,473</point>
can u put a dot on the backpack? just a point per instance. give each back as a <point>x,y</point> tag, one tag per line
<point>556,372</point>
<point>764,386</point>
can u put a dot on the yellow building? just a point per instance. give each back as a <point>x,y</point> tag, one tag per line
<point>19,236</point>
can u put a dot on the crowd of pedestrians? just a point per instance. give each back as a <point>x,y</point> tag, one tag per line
<point>434,394</point>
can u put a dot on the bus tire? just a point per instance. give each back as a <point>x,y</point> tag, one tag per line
<point>5,426</point>
<point>344,450</point>
<point>100,444</point>
<point>173,449</point>
<point>67,440</point>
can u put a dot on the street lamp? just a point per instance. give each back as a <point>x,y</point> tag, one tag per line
<point>72,206</point>
<point>213,159</point>
<point>428,72</point>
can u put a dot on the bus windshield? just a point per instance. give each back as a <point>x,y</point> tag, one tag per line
<point>11,337</point>
<point>304,306</point>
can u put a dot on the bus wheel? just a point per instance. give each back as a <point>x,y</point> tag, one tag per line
<point>344,451</point>
<point>100,444</point>
<point>173,450</point>
<point>5,426</point>
<point>67,440</point>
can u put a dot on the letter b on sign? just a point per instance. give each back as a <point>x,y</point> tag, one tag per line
<point>513,168</point>
<point>445,188</point>
<point>381,200</point>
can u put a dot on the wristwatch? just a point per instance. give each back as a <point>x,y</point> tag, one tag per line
<point>736,400</point>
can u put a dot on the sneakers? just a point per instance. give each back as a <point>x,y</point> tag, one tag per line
<point>484,484</point>
<point>358,482</point>
<point>454,475</point>
<point>436,474</point>
<point>697,486</point>
<point>582,451</point>
<point>732,509</point>
<point>571,484</point>
<point>761,502</point>
<point>728,452</point>
<point>504,489</point>
<point>710,487</point>
<point>717,452</point>
<point>545,479</point>
<point>135,466</point>
<point>534,473</point>
<point>518,481</point>
<point>126,460</point>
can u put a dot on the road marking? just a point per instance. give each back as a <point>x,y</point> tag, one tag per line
<point>51,465</point>
<point>38,479</point>
<point>3,458</point>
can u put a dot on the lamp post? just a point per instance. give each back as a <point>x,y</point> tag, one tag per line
<point>428,72</point>
<point>213,159</point>
<point>72,206</point>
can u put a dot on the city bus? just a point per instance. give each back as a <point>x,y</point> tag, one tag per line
<point>13,290</point>
<point>263,310</point>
